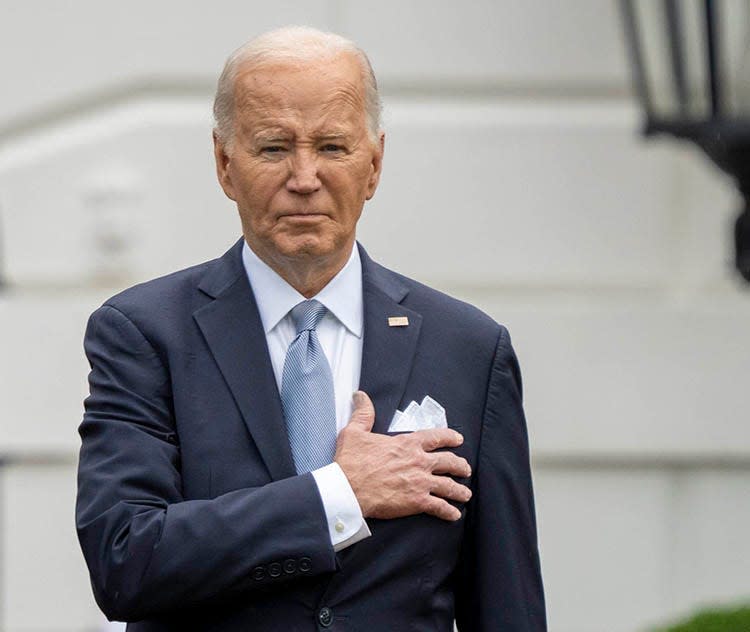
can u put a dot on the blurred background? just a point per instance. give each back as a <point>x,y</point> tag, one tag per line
<point>514,178</point>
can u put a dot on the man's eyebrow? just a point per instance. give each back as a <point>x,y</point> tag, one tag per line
<point>271,137</point>
<point>334,135</point>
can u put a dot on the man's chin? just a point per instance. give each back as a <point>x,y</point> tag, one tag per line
<point>311,248</point>
<point>307,248</point>
<point>309,245</point>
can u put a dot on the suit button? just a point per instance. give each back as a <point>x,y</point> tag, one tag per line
<point>274,569</point>
<point>290,566</point>
<point>325,617</point>
<point>259,573</point>
<point>305,564</point>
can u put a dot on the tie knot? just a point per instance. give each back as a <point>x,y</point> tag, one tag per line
<point>307,314</point>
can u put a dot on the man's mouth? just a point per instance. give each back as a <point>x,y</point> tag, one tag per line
<point>303,215</point>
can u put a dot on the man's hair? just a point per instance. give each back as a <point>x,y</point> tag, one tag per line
<point>291,43</point>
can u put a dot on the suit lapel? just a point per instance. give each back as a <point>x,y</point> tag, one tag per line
<point>387,357</point>
<point>234,333</point>
<point>387,352</point>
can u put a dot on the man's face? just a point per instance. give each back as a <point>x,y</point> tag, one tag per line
<point>301,164</point>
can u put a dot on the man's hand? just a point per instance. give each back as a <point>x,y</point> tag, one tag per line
<point>402,475</point>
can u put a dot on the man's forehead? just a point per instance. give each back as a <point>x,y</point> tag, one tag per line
<point>331,123</point>
<point>341,72</point>
<point>280,96</point>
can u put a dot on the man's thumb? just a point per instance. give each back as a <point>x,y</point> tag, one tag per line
<point>364,412</point>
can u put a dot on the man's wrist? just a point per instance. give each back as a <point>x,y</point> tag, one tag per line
<point>346,525</point>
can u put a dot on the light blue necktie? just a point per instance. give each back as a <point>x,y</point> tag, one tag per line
<point>307,392</point>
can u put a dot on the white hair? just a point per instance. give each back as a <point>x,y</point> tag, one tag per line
<point>291,43</point>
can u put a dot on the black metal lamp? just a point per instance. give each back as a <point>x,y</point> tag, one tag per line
<point>691,69</point>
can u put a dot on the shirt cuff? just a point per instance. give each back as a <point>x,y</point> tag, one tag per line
<point>346,525</point>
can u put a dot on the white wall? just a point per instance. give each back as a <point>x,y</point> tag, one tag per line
<point>514,178</point>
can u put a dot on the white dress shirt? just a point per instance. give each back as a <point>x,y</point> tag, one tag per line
<point>340,335</point>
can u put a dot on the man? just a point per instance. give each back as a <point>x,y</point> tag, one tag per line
<point>214,492</point>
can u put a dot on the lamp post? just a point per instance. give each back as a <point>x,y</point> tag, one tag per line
<point>690,63</point>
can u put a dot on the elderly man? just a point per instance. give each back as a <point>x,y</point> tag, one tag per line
<point>228,479</point>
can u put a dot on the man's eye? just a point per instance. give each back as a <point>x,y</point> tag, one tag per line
<point>272,149</point>
<point>331,147</point>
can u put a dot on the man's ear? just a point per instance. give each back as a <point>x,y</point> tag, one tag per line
<point>376,166</point>
<point>222,167</point>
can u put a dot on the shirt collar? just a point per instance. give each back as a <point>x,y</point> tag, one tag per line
<point>275,297</point>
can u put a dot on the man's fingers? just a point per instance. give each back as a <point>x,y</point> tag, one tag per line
<point>438,438</point>
<point>449,463</point>
<point>441,509</point>
<point>447,488</point>
<point>363,414</point>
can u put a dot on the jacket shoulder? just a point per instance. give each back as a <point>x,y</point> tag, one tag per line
<point>177,290</point>
<point>161,291</point>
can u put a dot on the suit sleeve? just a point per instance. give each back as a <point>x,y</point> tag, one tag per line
<point>499,584</point>
<point>148,549</point>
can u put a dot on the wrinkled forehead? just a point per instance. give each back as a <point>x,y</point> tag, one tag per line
<point>334,81</point>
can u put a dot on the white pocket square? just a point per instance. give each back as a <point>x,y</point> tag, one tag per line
<point>428,414</point>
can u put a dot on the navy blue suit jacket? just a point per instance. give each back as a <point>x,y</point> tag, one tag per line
<point>190,513</point>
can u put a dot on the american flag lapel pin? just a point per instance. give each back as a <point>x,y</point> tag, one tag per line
<point>398,321</point>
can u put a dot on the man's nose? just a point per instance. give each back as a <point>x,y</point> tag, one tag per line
<point>303,176</point>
